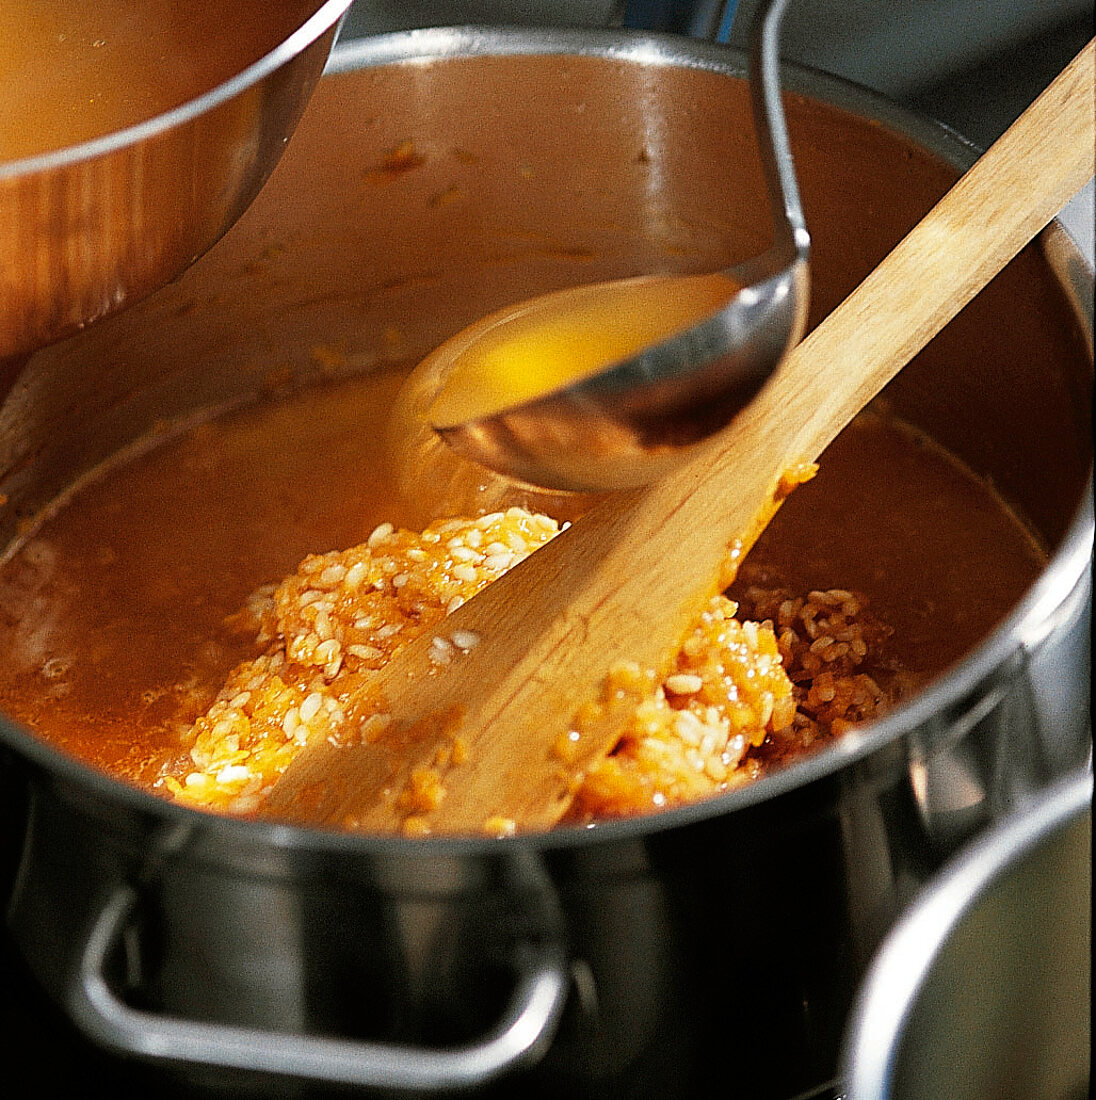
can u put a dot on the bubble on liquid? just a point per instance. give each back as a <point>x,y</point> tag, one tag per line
<point>56,668</point>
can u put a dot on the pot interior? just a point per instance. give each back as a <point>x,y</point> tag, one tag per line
<point>420,196</point>
<point>422,193</point>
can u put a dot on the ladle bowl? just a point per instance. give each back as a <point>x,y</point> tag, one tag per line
<point>88,229</point>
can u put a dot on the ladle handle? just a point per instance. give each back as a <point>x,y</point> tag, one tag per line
<point>791,241</point>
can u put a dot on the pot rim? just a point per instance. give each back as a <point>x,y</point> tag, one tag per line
<point>317,24</point>
<point>1025,625</point>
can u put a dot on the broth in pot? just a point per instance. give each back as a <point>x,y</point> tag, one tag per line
<point>190,634</point>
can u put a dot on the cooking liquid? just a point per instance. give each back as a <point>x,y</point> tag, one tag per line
<point>113,631</point>
<point>525,351</point>
<point>74,70</point>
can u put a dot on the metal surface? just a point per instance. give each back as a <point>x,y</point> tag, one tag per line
<point>628,423</point>
<point>982,990</point>
<point>521,1035</point>
<point>90,229</point>
<point>753,914</point>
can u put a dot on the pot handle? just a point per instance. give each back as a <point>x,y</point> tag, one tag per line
<point>523,1033</point>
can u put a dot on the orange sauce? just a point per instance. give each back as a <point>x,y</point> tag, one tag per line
<point>74,70</point>
<point>530,349</point>
<point>113,631</point>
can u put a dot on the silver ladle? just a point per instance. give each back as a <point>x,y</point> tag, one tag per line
<point>627,422</point>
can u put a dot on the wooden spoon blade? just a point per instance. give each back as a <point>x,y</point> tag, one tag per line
<point>630,577</point>
<point>587,605</point>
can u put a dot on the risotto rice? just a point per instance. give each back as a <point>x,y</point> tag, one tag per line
<point>750,686</point>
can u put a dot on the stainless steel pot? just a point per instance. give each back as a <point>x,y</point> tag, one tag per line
<point>711,950</point>
<point>983,989</point>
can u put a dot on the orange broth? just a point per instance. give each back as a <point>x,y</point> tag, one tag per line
<point>75,70</point>
<point>113,609</point>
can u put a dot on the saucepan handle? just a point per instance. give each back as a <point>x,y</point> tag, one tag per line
<point>521,1035</point>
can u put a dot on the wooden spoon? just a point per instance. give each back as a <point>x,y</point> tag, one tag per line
<point>628,579</point>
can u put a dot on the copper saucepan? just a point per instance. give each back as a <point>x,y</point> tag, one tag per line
<point>91,228</point>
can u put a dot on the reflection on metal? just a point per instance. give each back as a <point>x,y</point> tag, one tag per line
<point>87,230</point>
<point>981,991</point>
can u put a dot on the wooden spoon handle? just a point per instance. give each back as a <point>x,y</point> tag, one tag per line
<point>628,580</point>
<point>1012,193</point>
